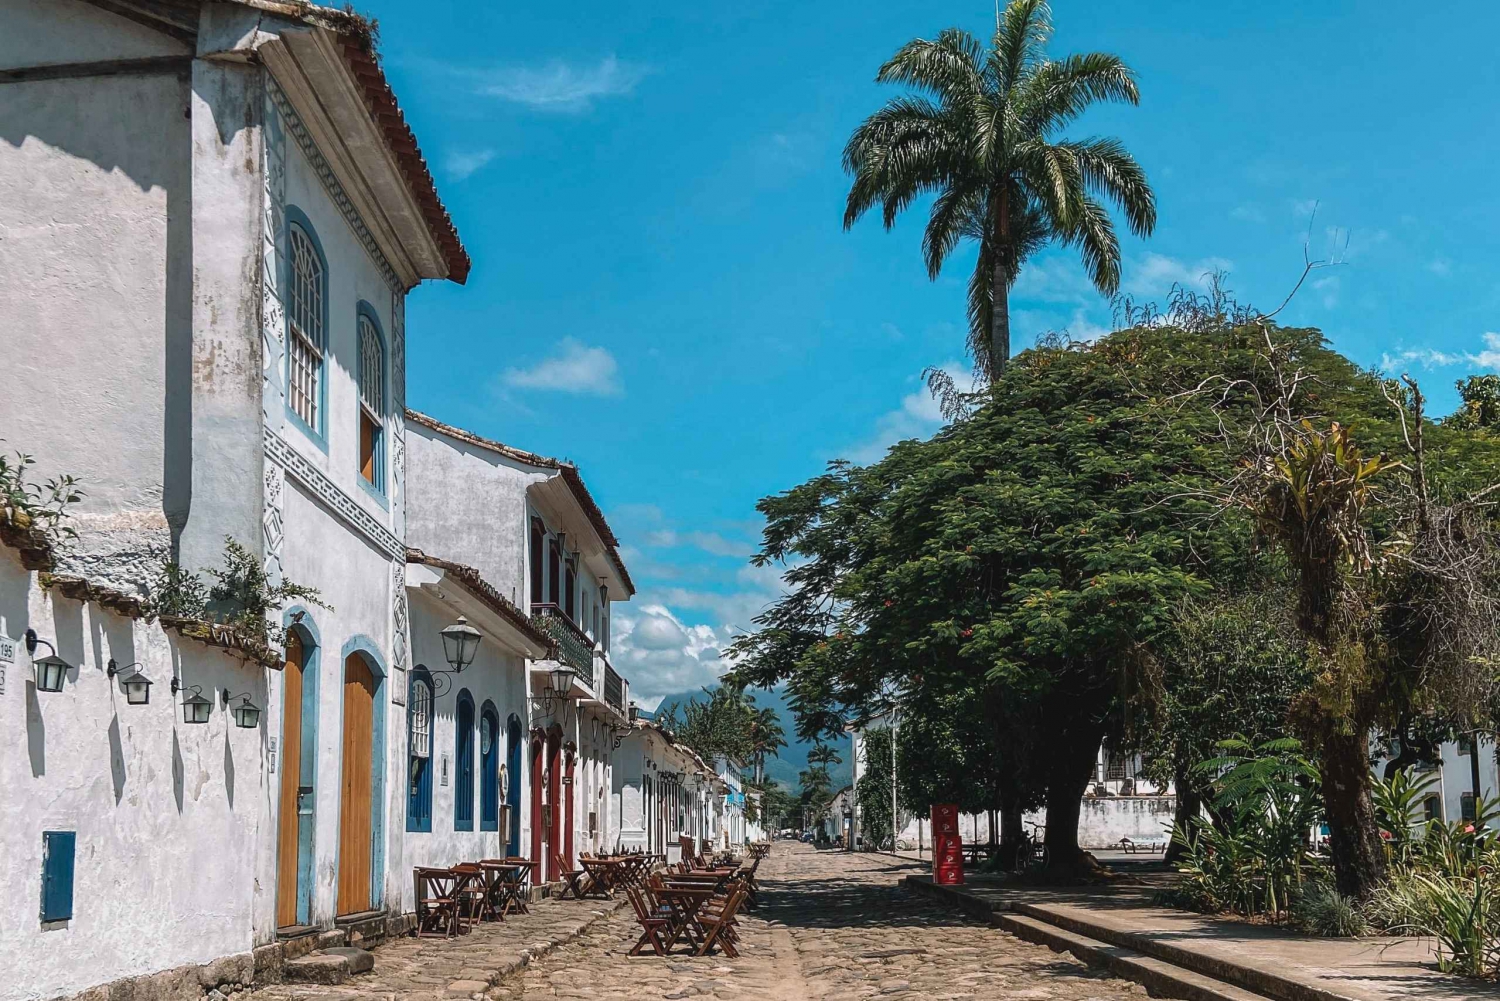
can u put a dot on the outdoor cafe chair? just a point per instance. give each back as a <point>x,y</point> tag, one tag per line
<point>436,901</point>
<point>574,880</point>
<point>654,919</point>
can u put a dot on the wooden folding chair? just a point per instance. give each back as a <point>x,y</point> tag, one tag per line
<point>436,901</point>
<point>653,919</point>
<point>717,923</point>
<point>574,880</point>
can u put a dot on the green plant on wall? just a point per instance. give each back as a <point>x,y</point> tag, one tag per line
<point>241,595</point>
<point>29,506</point>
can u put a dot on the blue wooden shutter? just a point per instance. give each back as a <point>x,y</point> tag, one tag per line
<point>57,875</point>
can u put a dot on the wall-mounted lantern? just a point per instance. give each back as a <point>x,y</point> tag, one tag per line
<point>460,643</point>
<point>562,681</point>
<point>195,708</point>
<point>137,685</point>
<point>246,714</point>
<point>51,670</point>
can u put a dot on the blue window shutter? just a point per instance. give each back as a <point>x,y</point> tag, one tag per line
<point>57,875</point>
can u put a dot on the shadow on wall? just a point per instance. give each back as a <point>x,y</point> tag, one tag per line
<point>132,128</point>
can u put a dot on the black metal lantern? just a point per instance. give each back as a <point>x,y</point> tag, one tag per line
<point>460,643</point>
<point>195,708</point>
<point>137,685</point>
<point>246,714</point>
<point>562,681</point>
<point>51,670</point>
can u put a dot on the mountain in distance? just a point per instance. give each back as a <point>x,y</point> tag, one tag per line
<point>792,759</point>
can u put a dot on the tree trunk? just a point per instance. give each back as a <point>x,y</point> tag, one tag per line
<point>1189,806</point>
<point>1068,773</point>
<point>1354,833</point>
<point>1000,292</point>
<point>1012,834</point>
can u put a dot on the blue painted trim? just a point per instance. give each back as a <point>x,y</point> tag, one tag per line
<point>515,737</point>
<point>419,801</point>
<point>296,217</point>
<point>489,770</point>
<point>307,629</point>
<point>463,762</point>
<point>364,309</point>
<point>370,653</point>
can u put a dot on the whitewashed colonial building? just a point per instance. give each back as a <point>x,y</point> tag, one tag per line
<point>212,213</point>
<point>665,792</point>
<point>533,534</point>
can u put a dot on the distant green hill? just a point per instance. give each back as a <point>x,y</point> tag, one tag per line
<point>793,758</point>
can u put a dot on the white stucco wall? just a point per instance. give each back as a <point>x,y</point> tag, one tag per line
<point>165,812</point>
<point>94,233</point>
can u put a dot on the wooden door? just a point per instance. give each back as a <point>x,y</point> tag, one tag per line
<point>291,777</point>
<point>355,810</point>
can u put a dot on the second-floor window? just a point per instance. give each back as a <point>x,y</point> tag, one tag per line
<point>538,540</point>
<point>371,402</point>
<point>306,344</point>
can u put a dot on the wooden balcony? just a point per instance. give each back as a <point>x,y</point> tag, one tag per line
<point>614,688</point>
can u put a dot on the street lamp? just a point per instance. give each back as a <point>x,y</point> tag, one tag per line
<point>137,685</point>
<point>460,643</point>
<point>51,670</point>
<point>562,681</point>
<point>246,714</point>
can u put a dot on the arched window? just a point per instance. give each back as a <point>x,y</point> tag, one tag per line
<point>371,402</point>
<point>513,784</point>
<point>489,769</point>
<point>463,764</point>
<point>306,301</point>
<point>419,752</point>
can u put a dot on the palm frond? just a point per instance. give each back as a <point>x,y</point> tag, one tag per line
<point>1020,42</point>
<point>1058,91</point>
<point>907,147</point>
<point>950,67</point>
<point>1108,170</point>
<point>1094,235</point>
<point>952,219</point>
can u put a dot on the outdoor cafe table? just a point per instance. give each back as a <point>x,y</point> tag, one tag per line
<point>525,877</point>
<point>505,882</point>
<point>605,874</point>
<point>685,899</point>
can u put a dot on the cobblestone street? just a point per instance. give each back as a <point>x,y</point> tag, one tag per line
<point>832,926</point>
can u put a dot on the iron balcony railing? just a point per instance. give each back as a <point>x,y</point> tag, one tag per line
<point>573,647</point>
<point>614,689</point>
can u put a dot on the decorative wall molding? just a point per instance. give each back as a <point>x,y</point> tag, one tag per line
<point>399,626</point>
<point>293,124</point>
<point>272,330</point>
<point>310,476</point>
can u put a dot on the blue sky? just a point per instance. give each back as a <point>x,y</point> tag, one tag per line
<point>662,290</point>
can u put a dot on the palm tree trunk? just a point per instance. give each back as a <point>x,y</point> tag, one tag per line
<point>1000,290</point>
<point>1358,856</point>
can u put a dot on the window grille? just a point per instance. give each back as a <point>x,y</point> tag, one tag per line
<point>306,315</point>
<point>371,368</point>
<point>421,720</point>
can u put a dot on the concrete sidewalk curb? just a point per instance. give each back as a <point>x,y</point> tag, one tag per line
<point>1160,976</point>
<point>535,951</point>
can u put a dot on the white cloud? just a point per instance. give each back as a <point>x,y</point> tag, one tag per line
<point>917,417</point>
<point>1487,357</point>
<point>576,368</point>
<point>461,165</point>
<point>663,655</point>
<point>1155,274</point>
<point>560,86</point>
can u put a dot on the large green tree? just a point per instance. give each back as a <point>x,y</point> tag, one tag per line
<point>978,133</point>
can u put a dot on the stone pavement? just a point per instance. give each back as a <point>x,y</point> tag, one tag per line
<point>832,927</point>
<point>427,969</point>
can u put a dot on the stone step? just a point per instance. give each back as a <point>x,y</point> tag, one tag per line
<point>1161,978</point>
<point>329,966</point>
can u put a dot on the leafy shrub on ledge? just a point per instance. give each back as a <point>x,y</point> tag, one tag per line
<point>241,595</point>
<point>38,510</point>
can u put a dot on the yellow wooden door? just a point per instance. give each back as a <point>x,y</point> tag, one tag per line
<point>291,776</point>
<point>355,814</point>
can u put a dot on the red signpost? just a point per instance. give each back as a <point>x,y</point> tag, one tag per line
<point>947,846</point>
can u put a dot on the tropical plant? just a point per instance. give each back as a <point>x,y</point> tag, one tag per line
<point>724,724</point>
<point>978,134</point>
<point>29,506</point>
<point>1319,909</point>
<point>766,738</point>
<point>1397,801</point>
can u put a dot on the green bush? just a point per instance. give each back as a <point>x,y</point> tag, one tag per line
<point>30,506</point>
<point>1319,909</point>
<point>241,596</point>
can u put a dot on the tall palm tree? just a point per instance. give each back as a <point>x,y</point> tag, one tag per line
<point>766,737</point>
<point>822,755</point>
<point>977,135</point>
